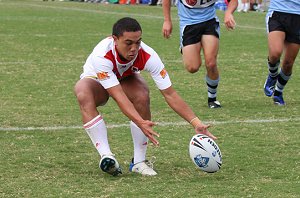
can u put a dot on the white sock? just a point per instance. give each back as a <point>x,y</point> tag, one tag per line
<point>258,6</point>
<point>243,5</point>
<point>247,6</point>
<point>96,129</point>
<point>140,142</point>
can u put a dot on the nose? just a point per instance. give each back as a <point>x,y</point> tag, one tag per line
<point>134,47</point>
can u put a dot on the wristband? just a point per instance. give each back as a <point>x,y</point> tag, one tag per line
<point>195,121</point>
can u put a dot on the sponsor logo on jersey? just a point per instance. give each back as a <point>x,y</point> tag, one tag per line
<point>134,69</point>
<point>103,75</point>
<point>163,73</point>
<point>191,2</point>
<point>198,3</point>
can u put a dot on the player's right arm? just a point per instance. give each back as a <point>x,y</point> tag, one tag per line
<point>228,18</point>
<point>117,93</point>
<point>167,25</point>
<point>103,67</point>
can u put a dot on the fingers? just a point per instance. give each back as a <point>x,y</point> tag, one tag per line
<point>167,34</point>
<point>151,135</point>
<point>149,132</point>
<point>211,136</point>
<point>230,25</point>
<point>203,130</point>
<point>153,140</point>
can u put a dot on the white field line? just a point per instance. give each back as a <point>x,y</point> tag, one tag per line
<point>181,123</point>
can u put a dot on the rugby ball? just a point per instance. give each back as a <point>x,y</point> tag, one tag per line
<point>205,153</point>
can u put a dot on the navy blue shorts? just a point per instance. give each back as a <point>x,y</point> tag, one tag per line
<point>193,33</point>
<point>285,22</point>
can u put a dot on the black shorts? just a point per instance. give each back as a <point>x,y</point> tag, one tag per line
<point>285,22</point>
<point>193,33</point>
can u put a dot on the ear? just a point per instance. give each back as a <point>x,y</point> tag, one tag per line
<point>115,37</point>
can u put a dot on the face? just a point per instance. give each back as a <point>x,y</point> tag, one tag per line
<point>128,44</point>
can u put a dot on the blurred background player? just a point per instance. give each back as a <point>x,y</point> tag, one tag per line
<point>113,70</point>
<point>199,31</point>
<point>283,27</point>
<point>244,6</point>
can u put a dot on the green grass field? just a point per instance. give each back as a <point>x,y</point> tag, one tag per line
<point>45,152</point>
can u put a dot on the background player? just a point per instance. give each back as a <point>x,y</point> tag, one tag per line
<point>200,30</point>
<point>283,26</point>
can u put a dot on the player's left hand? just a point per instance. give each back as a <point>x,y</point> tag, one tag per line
<point>229,21</point>
<point>203,129</point>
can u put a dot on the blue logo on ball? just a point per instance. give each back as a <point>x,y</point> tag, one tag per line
<point>201,161</point>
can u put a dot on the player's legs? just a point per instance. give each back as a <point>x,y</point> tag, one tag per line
<point>275,45</point>
<point>276,39</point>
<point>210,45</point>
<point>91,94</point>
<point>137,92</point>
<point>284,37</point>
<point>191,57</point>
<point>195,37</point>
<point>291,52</point>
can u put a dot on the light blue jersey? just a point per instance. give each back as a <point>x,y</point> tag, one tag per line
<point>287,6</point>
<point>189,16</point>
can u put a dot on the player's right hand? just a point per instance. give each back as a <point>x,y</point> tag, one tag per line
<point>146,127</point>
<point>167,29</point>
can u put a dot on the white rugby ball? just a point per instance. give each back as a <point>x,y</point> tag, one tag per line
<point>205,153</point>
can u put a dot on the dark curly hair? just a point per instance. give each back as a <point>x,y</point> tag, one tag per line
<point>125,24</point>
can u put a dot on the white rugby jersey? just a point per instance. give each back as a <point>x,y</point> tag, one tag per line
<point>105,65</point>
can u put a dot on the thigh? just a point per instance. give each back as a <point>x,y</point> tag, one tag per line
<point>135,87</point>
<point>137,91</point>
<point>275,45</point>
<point>191,56</point>
<point>89,90</point>
<point>210,45</point>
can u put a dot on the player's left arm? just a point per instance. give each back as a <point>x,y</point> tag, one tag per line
<point>183,109</point>
<point>160,76</point>
<point>228,18</point>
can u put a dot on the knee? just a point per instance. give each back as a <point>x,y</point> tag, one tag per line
<point>211,66</point>
<point>192,68</point>
<point>80,94</point>
<point>274,56</point>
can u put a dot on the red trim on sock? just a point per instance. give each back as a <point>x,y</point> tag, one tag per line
<point>94,122</point>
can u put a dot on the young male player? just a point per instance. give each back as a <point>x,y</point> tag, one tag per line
<point>200,30</point>
<point>113,70</point>
<point>283,26</point>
